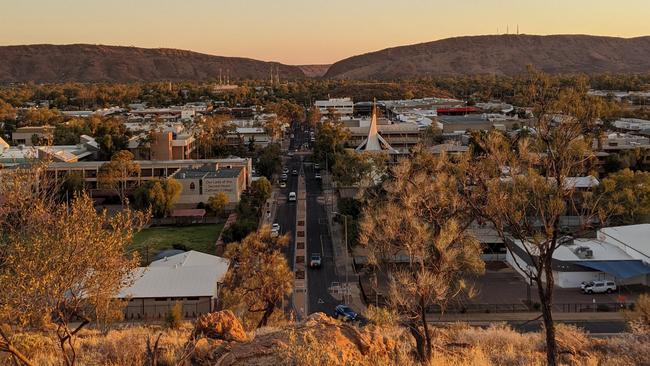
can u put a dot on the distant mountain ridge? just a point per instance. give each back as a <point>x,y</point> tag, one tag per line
<point>471,55</point>
<point>500,54</point>
<point>98,63</point>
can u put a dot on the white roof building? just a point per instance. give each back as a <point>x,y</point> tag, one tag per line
<point>189,274</point>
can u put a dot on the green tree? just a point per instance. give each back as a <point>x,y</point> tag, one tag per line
<point>330,141</point>
<point>626,197</point>
<point>260,191</point>
<point>115,173</point>
<point>269,161</point>
<point>159,195</point>
<point>218,202</point>
<point>72,185</point>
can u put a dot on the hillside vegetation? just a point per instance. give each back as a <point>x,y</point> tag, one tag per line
<point>95,63</point>
<point>501,55</point>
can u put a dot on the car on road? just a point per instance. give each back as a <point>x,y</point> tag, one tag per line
<point>290,153</point>
<point>317,175</point>
<point>598,287</point>
<point>315,260</point>
<point>284,176</point>
<point>275,230</point>
<point>292,196</point>
<point>283,184</point>
<point>285,170</point>
<point>317,166</point>
<point>345,312</point>
<point>294,172</point>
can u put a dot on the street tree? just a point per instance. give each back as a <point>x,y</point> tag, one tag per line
<point>158,195</point>
<point>218,202</point>
<point>260,191</point>
<point>255,287</point>
<point>62,263</point>
<point>423,216</point>
<point>313,116</point>
<point>330,141</point>
<point>269,161</point>
<point>626,196</point>
<point>115,173</point>
<point>522,186</point>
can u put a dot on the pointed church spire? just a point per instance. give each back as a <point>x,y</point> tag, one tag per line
<point>374,141</point>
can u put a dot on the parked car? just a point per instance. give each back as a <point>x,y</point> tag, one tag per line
<point>290,153</point>
<point>315,260</point>
<point>294,172</point>
<point>292,196</point>
<point>275,230</point>
<point>598,287</point>
<point>316,166</point>
<point>345,312</point>
<point>283,184</point>
<point>284,176</point>
<point>317,175</point>
<point>285,170</point>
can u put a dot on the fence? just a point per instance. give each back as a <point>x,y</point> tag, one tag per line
<point>181,221</point>
<point>147,309</point>
<point>521,307</point>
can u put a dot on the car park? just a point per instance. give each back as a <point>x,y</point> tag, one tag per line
<point>598,287</point>
<point>345,312</point>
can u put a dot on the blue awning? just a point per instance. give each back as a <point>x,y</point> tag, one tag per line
<point>620,269</point>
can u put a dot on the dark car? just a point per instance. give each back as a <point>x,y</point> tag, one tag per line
<point>345,312</point>
<point>294,172</point>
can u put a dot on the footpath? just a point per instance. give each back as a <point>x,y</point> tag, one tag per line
<point>342,262</point>
<point>523,317</point>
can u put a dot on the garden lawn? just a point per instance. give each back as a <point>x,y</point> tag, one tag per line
<point>201,238</point>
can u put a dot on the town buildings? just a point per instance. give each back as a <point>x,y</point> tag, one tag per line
<point>191,279</point>
<point>343,107</point>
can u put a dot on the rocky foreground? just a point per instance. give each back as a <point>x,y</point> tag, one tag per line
<point>220,339</point>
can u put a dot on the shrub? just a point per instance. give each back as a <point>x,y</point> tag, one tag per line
<point>174,317</point>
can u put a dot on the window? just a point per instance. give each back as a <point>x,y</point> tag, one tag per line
<point>192,186</point>
<point>193,298</point>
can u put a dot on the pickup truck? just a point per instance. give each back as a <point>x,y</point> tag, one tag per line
<point>315,260</point>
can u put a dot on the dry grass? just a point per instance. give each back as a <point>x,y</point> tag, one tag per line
<point>328,342</point>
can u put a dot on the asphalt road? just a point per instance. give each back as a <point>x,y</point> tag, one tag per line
<point>594,327</point>
<point>318,238</point>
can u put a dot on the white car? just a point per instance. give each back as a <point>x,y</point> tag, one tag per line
<point>283,184</point>
<point>317,176</point>
<point>285,170</point>
<point>275,230</point>
<point>598,287</point>
<point>292,196</point>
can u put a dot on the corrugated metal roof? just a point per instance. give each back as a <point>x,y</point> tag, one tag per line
<point>188,274</point>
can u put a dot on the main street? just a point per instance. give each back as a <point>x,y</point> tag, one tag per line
<point>318,236</point>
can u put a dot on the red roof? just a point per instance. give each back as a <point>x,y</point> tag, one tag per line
<point>190,212</point>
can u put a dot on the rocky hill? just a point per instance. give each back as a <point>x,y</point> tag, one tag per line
<point>94,63</point>
<point>500,54</point>
<point>314,71</point>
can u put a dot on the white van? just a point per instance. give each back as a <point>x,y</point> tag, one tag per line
<point>292,196</point>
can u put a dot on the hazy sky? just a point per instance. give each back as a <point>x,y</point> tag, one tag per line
<point>305,31</point>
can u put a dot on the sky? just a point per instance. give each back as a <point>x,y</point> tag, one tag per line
<point>305,31</point>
